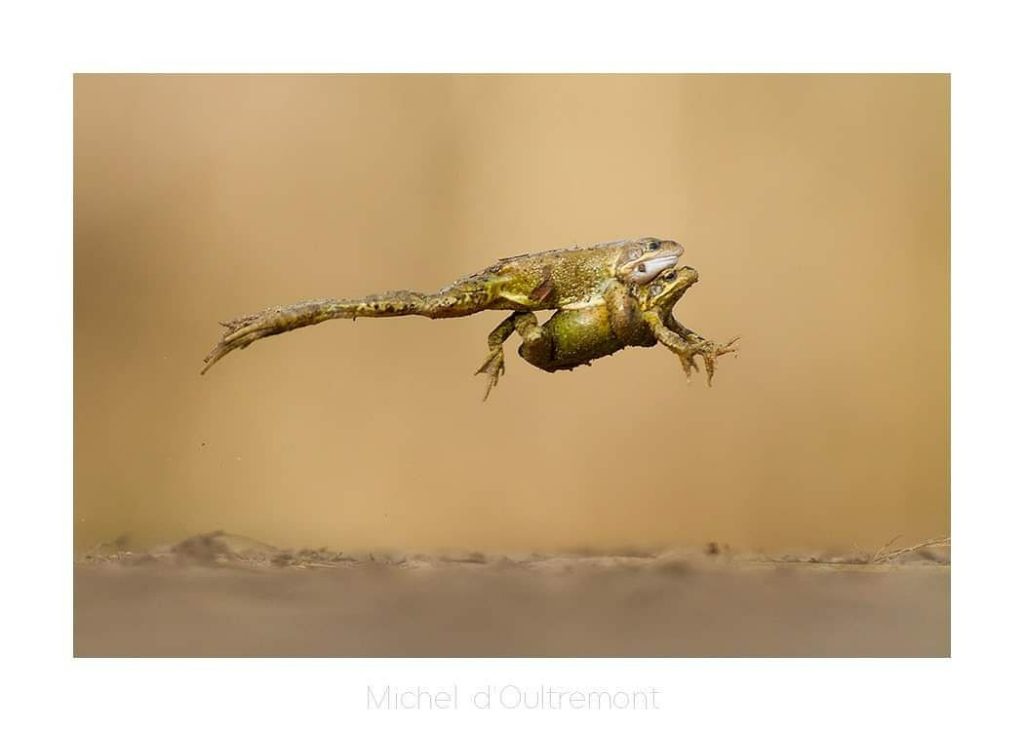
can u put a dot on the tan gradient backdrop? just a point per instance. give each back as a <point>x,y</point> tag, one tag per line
<point>815,208</point>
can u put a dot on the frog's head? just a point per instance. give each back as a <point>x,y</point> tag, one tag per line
<point>644,259</point>
<point>662,293</point>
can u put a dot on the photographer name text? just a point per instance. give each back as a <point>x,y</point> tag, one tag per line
<point>510,697</point>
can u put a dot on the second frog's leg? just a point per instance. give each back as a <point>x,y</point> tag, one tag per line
<point>686,344</point>
<point>535,345</point>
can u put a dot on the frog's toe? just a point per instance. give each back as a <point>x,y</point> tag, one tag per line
<point>689,364</point>
<point>712,352</point>
<point>727,348</point>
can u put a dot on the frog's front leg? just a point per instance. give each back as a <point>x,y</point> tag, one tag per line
<point>686,344</point>
<point>534,339</point>
<point>678,342</point>
<point>494,365</point>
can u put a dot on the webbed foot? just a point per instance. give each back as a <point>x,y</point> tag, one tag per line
<point>240,333</point>
<point>244,331</point>
<point>708,351</point>
<point>494,367</point>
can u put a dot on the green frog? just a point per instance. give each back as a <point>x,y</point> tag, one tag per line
<point>637,314</point>
<point>549,280</point>
<point>606,297</point>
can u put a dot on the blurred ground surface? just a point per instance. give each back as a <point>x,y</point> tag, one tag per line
<point>220,595</point>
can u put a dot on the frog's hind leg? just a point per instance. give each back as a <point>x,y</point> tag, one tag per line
<point>535,341</point>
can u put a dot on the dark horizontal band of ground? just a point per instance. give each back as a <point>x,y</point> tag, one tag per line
<point>581,608</point>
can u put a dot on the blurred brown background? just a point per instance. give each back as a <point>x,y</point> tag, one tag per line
<point>816,209</point>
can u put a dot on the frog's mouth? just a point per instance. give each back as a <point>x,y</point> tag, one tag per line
<point>645,271</point>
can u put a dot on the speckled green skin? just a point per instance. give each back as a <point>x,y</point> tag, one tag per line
<point>629,315</point>
<point>551,280</point>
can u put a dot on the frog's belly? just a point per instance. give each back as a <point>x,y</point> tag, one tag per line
<point>578,337</point>
<point>570,355</point>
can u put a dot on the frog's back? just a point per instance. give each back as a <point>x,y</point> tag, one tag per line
<point>573,277</point>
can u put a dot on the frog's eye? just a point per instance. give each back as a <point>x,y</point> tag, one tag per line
<point>669,276</point>
<point>654,245</point>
